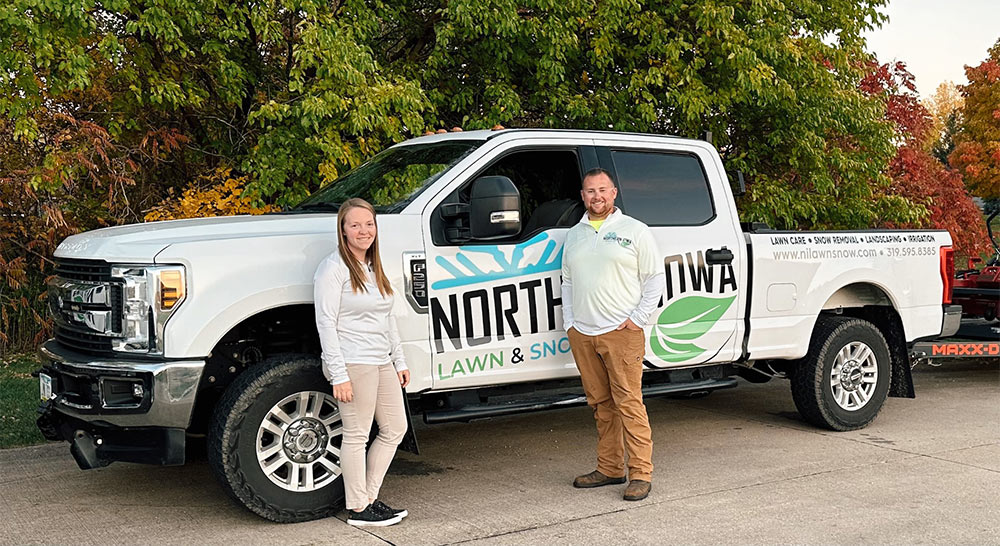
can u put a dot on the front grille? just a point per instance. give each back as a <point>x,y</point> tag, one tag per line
<point>82,341</point>
<point>83,270</point>
<point>77,336</point>
<point>117,300</point>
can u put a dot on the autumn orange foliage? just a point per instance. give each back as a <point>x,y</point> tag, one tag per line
<point>917,175</point>
<point>71,178</point>
<point>216,194</point>
<point>75,176</point>
<point>924,180</point>
<point>977,153</point>
<point>30,236</point>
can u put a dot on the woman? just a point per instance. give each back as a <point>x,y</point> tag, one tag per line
<point>363,360</point>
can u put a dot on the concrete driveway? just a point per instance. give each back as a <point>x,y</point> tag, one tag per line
<point>738,466</point>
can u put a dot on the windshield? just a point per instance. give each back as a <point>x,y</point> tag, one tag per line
<point>392,178</point>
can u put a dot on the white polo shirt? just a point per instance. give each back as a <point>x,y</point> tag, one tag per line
<point>610,275</point>
<point>354,327</point>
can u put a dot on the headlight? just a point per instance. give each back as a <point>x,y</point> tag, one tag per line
<point>150,295</point>
<point>171,290</point>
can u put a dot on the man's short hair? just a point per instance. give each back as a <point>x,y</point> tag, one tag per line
<point>596,171</point>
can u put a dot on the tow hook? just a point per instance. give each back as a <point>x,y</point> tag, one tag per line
<point>84,450</point>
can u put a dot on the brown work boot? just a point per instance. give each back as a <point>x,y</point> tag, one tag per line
<point>637,490</point>
<point>596,479</point>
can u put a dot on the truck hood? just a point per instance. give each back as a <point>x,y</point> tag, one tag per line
<point>140,243</point>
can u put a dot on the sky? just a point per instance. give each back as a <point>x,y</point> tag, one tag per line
<point>936,38</point>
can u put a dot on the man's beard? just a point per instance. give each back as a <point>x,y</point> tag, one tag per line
<point>605,209</point>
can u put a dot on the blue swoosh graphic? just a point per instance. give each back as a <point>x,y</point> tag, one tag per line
<point>465,272</point>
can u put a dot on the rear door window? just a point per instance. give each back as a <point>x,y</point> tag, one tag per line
<point>663,189</point>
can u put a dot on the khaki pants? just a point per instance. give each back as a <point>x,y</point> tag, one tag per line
<point>610,367</point>
<point>376,394</point>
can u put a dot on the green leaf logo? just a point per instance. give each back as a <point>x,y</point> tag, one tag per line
<point>685,320</point>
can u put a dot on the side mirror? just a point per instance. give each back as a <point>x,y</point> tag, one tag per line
<point>494,208</point>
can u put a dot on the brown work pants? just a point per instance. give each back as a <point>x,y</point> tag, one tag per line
<point>610,367</point>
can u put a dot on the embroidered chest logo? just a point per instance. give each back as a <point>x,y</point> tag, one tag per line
<point>625,242</point>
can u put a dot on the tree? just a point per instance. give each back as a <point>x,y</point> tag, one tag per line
<point>917,176</point>
<point>217,194</point>
<point>945,108</point>
<point>774,81</point>
<point>977,150</point>
<point>71,175</point>
<point>292,93</point>
<point>944,144</point>
<point>109,105</point>
<point>946,100</point>
<point>289,90</point>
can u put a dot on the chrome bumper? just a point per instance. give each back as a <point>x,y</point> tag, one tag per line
<point>952,320</point>
<point>91,389</point>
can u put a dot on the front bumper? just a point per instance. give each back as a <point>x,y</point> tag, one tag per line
<point>118,410</point>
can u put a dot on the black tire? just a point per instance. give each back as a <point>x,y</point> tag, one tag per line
<point>235,433</point>
<point>812,377</point>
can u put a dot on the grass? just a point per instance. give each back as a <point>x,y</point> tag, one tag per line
<point>18,402</point>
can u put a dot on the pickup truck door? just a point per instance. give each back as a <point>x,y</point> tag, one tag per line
<point>495,306</point>
<point>680,194</point>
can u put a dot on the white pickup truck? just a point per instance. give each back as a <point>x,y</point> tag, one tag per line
<point>170,330</point>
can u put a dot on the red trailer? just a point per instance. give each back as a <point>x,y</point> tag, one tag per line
<point>977,290</point>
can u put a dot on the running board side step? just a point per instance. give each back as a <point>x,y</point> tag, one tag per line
<point>481,411</point>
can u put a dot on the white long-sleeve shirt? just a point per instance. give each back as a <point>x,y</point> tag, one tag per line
<point>354,327</point>
<point>610,275</point>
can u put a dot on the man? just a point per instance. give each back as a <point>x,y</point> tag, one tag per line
<point>612,281</point>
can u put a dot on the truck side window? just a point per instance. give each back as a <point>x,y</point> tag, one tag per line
<point>663,189</point>
<point>547,179</point>
<point>549,182</point>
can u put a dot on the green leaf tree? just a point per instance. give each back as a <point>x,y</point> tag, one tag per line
<point>293,92</point>
<point>290,91</point>
<point>113,103</point>
<point>775,81</point>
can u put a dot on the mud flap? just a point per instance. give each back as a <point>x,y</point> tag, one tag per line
<point>409,441</point>
<point>902,379</point>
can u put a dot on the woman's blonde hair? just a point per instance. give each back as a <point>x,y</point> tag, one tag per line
<point>371,255</point>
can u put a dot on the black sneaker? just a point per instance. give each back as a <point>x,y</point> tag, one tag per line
<point>371,517</point>
<point>384,508</point>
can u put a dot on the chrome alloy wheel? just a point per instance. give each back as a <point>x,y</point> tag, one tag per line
<point>298,442</point>
<point>854,376</point>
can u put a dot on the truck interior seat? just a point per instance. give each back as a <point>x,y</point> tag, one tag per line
<point>555,213</point>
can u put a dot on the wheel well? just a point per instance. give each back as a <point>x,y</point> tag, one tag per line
<point>857,295</point>
<point>288,329</point>
<point>872,303</point>
<point>887,320</point>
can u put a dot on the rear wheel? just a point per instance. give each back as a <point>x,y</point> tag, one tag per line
<point>843,381</point>
<point>274,443</point>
